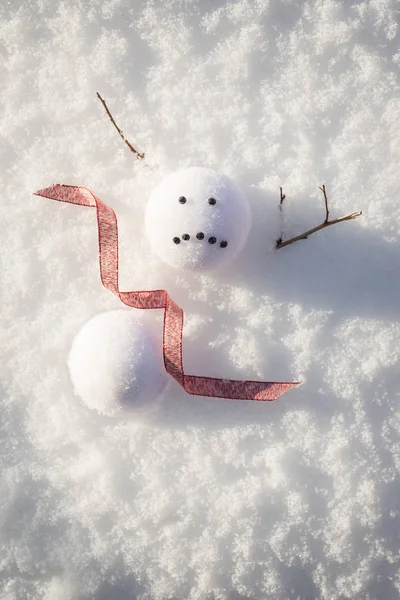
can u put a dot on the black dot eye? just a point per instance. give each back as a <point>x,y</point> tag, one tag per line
<point>212,201</point>
<point>186,237</point>
<point>223,244</point>
<point>212,240</point>
<point>176,240</point>
<point>182,200</point>
<point>200,235</point>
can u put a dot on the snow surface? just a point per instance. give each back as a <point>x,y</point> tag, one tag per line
<point>205,498</point>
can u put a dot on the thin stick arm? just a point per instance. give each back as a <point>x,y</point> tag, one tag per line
<point>305,235</point>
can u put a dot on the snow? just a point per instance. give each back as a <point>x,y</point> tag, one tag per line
<point>197,219</point>
<point>204,498</point>
<point>116,363</point>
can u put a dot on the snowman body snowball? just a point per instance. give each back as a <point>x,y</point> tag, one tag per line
<point>197,219</point>
<point>116,362</point>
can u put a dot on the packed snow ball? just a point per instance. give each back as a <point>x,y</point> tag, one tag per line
<point>116,363</point>
<point>197,219</point>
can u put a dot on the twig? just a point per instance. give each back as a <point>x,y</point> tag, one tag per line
<point>282,197</point>
<point>323,190</point>
<point>279,241</point>
<point>326,223</point>
<point>305,235</point>
<point>131,148</point>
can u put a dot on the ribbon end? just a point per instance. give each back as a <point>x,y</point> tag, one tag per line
<point>72,194</point>
<point>274,390</point>
<point>53,192</point>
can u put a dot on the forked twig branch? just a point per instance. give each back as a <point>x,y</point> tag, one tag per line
<point>327,223</point>
<point>131,148</point>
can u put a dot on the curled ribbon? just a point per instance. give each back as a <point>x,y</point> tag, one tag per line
<point>173,314</point>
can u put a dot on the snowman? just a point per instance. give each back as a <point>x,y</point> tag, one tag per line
<point>196,220</point>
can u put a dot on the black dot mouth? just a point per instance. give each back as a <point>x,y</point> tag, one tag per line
<point>200,236</point>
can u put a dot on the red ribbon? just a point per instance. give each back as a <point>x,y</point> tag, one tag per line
<point>173,315</point>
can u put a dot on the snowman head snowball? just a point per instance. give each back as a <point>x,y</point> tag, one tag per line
<point>197,219</point>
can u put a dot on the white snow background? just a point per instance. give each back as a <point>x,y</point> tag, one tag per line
<point>204,498</point>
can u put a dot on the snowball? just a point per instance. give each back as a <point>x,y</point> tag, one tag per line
<point>115,361</point>
<point>197,219</point>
